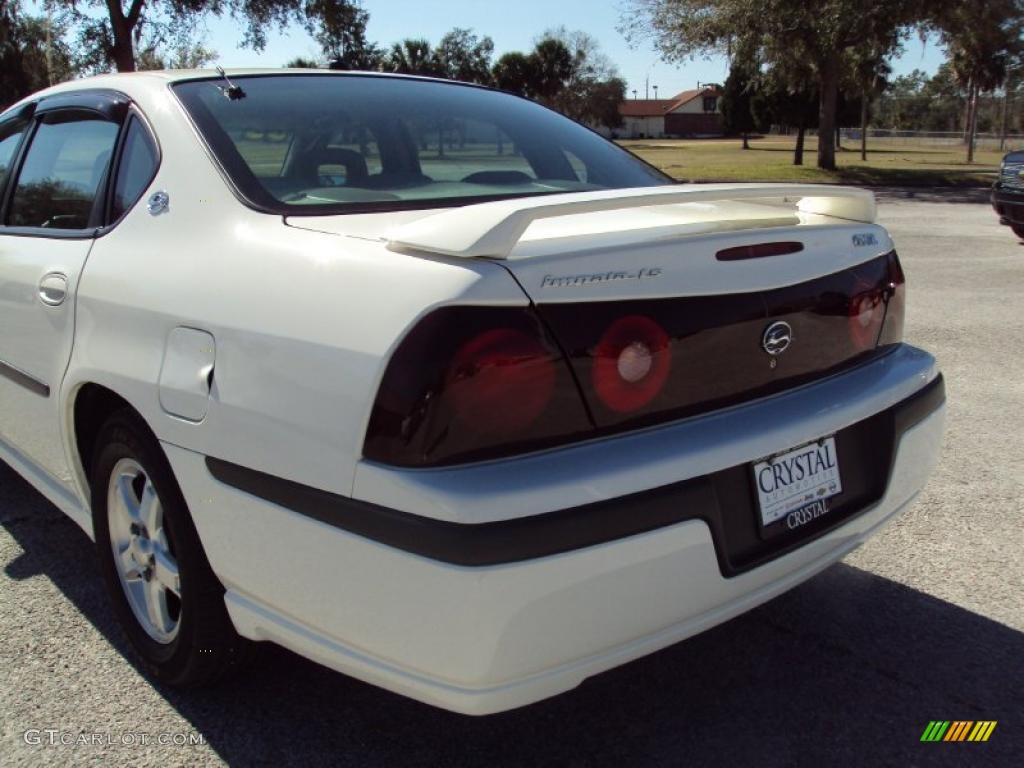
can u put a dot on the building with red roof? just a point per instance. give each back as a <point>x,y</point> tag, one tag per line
<point>690,113</point>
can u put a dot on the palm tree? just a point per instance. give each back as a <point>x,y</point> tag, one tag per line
<point>981,39</point>
<point>413,56</point>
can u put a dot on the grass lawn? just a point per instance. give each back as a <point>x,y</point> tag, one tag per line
<point>771,159</point>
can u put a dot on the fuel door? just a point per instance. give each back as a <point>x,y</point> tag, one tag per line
<point>186,376</point>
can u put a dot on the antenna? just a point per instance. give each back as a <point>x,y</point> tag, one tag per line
<point>231,91</point>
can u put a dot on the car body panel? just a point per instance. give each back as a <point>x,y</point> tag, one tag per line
<point>37,341</point>
<point>296,384</point>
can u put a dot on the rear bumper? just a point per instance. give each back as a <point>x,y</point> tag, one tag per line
<point>484,638</point>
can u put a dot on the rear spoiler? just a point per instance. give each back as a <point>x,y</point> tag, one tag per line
<point>492,230</point>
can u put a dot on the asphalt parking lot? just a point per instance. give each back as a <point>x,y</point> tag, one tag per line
<point>924,622</point>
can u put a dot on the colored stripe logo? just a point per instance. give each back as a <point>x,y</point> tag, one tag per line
<point>958,730</point>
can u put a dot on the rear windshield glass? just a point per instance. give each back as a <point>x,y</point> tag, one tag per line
<point>347,143</point>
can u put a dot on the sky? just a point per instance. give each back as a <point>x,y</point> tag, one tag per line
<point>512,26</point>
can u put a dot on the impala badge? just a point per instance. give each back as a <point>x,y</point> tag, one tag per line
<point>158,203</point>
<point>777,338</point>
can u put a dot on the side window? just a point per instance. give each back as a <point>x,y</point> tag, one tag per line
<point>10,136</point>
<point>136,169</point>
<point>62,172</point>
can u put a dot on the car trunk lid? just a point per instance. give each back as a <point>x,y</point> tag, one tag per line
<point>674,301</point>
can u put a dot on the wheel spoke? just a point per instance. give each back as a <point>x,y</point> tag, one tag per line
<point>165,571</point>
<point>126,494</point>
<point>156,605</point>
<point>149,508</point>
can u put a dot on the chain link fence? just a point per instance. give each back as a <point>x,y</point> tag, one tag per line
<point>900,138</point>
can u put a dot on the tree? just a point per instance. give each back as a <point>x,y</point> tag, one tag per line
<point>515,72</point>
<point>33,54</point>
<point>192,56</point>
<point>1015,75</point>
<point>300,62</point>
<point>13,77</point>
<point>412,57</point>
<point>848,110</point>
<point>599,102</point>
<point>566,71</point>
<point>736,95</point>
<point>980,39</point>
<point>777,102</point>
<point>784,34</point>
<point>109,30</point>
<point>915,102</point>
<point>869,73</point>
<point>589,89</point>
<point>461,55</point>
<point>340,29</point>
<point>553,66</point>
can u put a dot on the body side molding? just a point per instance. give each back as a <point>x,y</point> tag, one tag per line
<point>18,376</point>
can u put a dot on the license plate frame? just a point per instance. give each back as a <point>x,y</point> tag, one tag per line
<point>800,481</point>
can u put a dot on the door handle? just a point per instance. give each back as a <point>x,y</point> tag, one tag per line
<point>53,289</point>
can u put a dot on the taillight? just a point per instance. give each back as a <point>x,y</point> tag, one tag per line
<point>499,382</point>
<point>631,363</point>
<point>875,306</point>
<point>865,312</point>
<point>896,292</point>
<point>471,383</point>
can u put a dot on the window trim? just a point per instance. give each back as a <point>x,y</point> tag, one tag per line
<point>273,207</point>
<point>16,159</point>
<point>112,106</point>
<point>115,168</point>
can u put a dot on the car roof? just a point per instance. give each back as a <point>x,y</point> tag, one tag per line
<point>132,83</point>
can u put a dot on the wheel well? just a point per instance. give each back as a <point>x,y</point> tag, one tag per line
<point>93,406</point>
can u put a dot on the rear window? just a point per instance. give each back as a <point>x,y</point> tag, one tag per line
<point>347,143</point>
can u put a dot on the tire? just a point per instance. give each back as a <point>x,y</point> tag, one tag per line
<point>164,594</point>
<point>1018,230</point>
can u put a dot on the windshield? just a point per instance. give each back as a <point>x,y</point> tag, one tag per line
<point>346,143</point>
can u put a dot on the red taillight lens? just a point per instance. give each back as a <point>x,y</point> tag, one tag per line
<point>471,383</point>
<point>875,309</point>
<point>892,329</point>
<point>499,383</point>
<point>631,363</point>
<point>866,311</point>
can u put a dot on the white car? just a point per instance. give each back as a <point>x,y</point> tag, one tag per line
<point>432,385</point>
